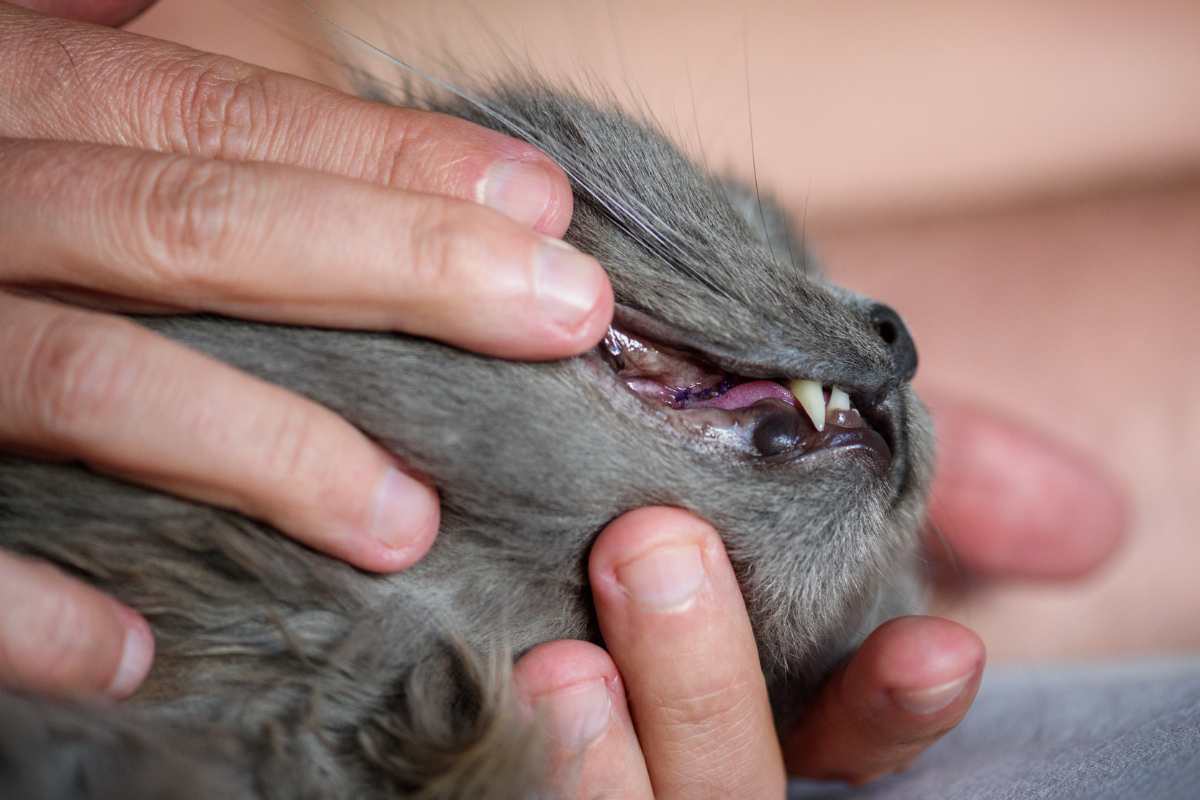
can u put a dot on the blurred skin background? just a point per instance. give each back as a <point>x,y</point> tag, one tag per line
<point>1020,180</point>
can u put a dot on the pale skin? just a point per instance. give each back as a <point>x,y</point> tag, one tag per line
<point>125,183</point>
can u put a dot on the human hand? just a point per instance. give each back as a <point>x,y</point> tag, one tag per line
<point>677,707</point>
<point>140,175</point>
<point>1014,504</point>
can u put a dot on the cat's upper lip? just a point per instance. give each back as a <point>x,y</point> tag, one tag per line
<point>778,420</point>
<point>753,362</point>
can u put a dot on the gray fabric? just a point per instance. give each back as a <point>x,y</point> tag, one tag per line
<point>1126,730</point>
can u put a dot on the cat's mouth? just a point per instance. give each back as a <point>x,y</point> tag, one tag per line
<point>778,419</point>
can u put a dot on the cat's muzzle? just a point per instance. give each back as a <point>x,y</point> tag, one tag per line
<point>773,420</point>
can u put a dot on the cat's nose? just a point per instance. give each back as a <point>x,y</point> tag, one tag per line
<point>894,334</point>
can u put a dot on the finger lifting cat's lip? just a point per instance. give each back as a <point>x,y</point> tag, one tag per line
<point>775,420</point>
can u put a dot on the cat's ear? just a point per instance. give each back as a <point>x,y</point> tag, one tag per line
<point>770,221</point>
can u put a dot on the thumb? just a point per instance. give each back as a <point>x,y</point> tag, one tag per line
<point>59,636</point>
<point>1010,502</point>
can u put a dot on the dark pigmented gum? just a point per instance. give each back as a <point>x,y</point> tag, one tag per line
<point>778,432</point>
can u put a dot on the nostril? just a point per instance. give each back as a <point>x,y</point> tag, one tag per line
<point>887,331</point>
<point>893,333</point>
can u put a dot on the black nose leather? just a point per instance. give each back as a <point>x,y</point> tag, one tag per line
<point>894,333</point>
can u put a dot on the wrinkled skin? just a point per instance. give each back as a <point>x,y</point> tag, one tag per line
<point>283,673</point>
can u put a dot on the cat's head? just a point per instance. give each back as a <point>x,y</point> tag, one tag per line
<point>734,381</point>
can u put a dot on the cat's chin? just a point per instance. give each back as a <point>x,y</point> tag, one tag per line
<point>770,421</point>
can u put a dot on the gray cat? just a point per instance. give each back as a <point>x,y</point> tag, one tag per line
<point>734,382</point>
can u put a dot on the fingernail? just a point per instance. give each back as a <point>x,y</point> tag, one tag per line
<point>520,190</point>
<point>933,699</point>
<point>665,579</point>
<point>402,511</point>
<point>577,714</point>
<point>568,283</point>
<point>136,654</point>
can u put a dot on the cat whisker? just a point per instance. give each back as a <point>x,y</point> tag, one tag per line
<point>633,217</point>
<point>762,214</point>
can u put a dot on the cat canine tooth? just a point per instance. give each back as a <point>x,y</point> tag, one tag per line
<point>812,399</point>
<point>838,400</point>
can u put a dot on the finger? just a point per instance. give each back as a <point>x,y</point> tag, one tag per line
<point>265,241</point>
<point>575,691</point>
<point>912,681</point>
<point>1013,503</point>
<point>59,636</point>
<point>75,82</point>
<point>130,402</point>
<point>105,12</point>
<point>674,621</point>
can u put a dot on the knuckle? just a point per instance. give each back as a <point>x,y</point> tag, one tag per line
<point>222,108</point>
<point>63,633</point>
<point>719,708</point>
<point>714,727</point>
<point>297,484</point>
<point>398,148</point>
<point>185,221</point>
<point>448,238</point>
<point>78,375</point>
<point>289,453</point>
<point>430,152</point>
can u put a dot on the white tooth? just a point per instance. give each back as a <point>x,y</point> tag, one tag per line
<point>809,395</point>
<point>838,400</point>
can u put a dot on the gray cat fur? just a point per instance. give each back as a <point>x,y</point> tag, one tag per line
<point>282,673</point>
